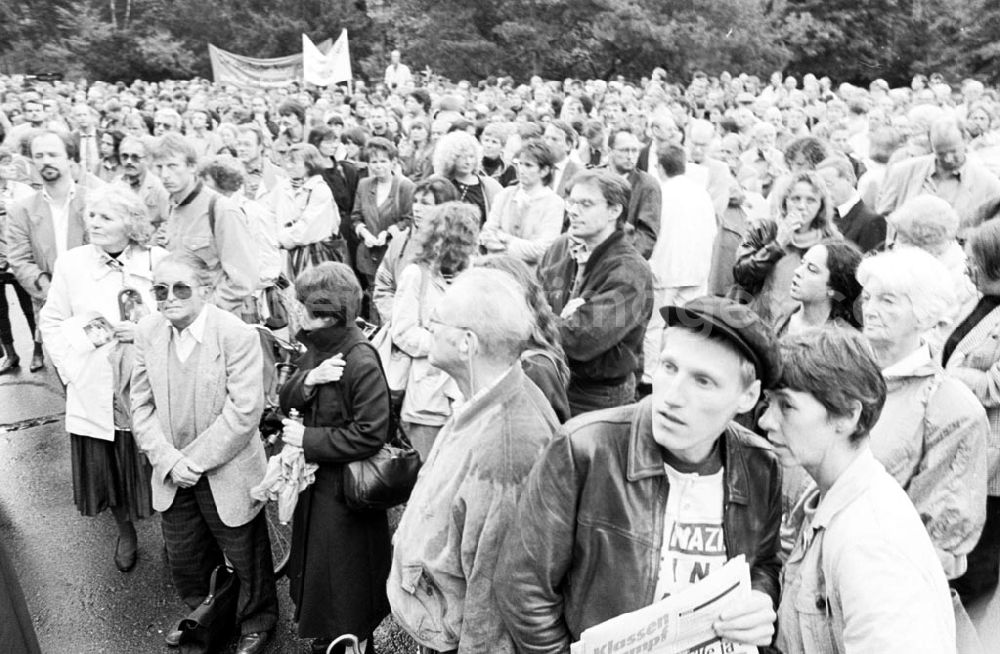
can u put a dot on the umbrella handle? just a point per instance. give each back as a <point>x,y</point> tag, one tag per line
<point>350,639</point>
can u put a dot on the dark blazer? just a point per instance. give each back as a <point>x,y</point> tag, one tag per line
<point>862,226</point>
<point>643,161</point>
<point>366,212</point>
<point>644,206</point>
<point>339,557</point>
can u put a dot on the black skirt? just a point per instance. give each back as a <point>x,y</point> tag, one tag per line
<point>111,474</point>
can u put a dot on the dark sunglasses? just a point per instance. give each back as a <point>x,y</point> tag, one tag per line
<point>181,291</point>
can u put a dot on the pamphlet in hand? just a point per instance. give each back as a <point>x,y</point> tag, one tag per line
<point>679,624</point>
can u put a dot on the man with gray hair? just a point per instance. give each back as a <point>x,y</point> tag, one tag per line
<point>446,546</point>
<point>964,183</point>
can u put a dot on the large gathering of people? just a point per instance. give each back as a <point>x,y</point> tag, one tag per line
<point>763,312</point>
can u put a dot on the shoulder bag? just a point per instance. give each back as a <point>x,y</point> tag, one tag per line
<point>386,478</point>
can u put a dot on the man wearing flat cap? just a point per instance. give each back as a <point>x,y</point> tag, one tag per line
<point>632,504</point>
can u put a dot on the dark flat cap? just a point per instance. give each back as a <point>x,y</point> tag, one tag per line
<point>736,323</point>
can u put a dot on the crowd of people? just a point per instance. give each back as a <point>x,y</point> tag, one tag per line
<point>634,330</point>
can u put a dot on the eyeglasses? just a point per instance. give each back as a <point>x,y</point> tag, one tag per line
<point>181,291</point>
<point>128,156</point>
<point>162,124</point>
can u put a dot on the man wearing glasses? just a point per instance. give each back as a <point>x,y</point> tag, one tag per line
<point>441,583</point>
<point>602,290</point>
<point>134,153</point>
<point>645,200</point>
<point>197,398</point>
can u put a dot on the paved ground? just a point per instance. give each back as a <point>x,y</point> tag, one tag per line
<point>80,603</point>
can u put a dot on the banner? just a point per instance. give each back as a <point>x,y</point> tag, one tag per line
<point>229,68</point>
<point>325,69</point>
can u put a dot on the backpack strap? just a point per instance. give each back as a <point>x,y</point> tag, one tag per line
<point>211,212</point>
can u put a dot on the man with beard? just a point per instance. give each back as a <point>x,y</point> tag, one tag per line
<point>645,202</point>
<point>964,183</point>
<point>134,153</point>
<point>49,222</point>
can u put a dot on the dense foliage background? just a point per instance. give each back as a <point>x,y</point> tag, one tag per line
<point>849,40</point>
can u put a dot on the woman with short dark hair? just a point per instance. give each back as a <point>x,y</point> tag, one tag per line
<point>383,210</point>
<point>111,165</point>
<point>339,557</point>
<point>527,217</point>
<point>863,575</point>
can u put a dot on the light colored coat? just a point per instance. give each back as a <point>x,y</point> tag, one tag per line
<point>31,239</point>
<point>532,223</point>
<point>863,577</point>
<point>976,363</point>
<point>229,400</point>
<point>83,287</point>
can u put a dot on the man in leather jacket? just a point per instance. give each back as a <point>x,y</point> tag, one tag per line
<point>630,504</point>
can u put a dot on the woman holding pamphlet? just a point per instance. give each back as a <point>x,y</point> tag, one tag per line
<point>99,291</point>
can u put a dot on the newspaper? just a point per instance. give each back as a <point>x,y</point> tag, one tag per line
<point>679,624</point>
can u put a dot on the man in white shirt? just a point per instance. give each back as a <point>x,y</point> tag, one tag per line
<point>49,222</point>
<point>86,132</point>
<point>682,257</point>
<point>397,75</point>
<point>561,137</point>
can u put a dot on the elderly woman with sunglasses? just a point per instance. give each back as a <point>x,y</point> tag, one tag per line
<point>98,292</point>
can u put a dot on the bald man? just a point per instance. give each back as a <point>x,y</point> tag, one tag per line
<point>947,173</point>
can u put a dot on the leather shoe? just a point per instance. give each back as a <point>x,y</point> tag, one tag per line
<point>173,637</point>
<point>125,560</point>
<point>253,643</point>
<point>9,364</point>
<point>37,363</point>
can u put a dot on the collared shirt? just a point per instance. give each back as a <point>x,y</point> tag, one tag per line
<point>558,172</point>
<point>190,337</point>
<point>844,209</point>
<point>60,216</point>
<point>910,363</point>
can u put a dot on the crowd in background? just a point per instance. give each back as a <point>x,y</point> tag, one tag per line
<point>529,251</point>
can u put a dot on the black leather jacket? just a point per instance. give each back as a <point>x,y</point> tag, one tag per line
<point>586,545</point>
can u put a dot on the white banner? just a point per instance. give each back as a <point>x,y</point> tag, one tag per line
<point>331,68</point>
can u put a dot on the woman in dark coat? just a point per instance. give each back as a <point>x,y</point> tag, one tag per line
<point>340,557</point>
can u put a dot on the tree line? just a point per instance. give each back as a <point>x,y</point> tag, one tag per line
<point>848,40</point>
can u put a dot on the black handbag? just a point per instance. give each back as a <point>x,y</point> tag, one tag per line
<point>210,626</point>
<point>385,479</point>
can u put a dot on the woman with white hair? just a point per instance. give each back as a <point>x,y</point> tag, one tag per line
<point>98,292</point>
<point>932,434</point>
<point>931,224</point>
<point>457,157</point>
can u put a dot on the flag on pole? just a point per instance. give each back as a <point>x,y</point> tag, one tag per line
<point>333,67</point>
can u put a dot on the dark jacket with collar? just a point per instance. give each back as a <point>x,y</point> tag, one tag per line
<point>603,337</point>
<point>862,226</point>
<point>587,543</point>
